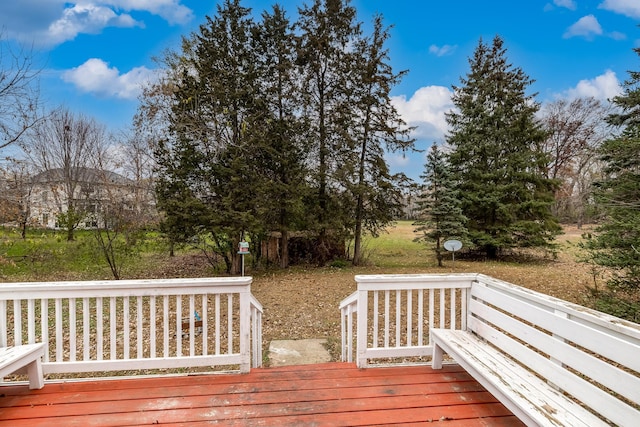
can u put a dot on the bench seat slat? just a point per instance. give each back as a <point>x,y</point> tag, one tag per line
<point>526,395</point>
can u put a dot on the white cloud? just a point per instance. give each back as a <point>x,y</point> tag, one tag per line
<point>630,8</point>
<point>95,76</point>
<point>51,22</point>
<point>442,50</point>
<point>602,87</point>
<point>587,27</point>
<point>569,4</point>
<point>86,18</point>
<point>170,10</point>
<point>426,110</point>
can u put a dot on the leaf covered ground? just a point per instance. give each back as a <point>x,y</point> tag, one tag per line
<point>303,302</point>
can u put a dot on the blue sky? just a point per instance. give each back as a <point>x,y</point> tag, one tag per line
<point>95,53</point>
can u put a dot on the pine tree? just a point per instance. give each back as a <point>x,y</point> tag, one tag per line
<point>499,168</point>
<point>280,152</point>
<point>439,214</point>
<point>208,156</point>
<point>616,241</point>
<point>376,127</point>
<point>328,29</point>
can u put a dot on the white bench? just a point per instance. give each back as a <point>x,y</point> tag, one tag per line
<point>21,357</point>
<point>550,362</point>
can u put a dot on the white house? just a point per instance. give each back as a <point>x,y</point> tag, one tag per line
<point>91,192</point>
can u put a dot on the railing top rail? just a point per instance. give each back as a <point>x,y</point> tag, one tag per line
<point>351,299</point>
<point>414,281</point>
<point>122,287</point>
<point>255,303</point>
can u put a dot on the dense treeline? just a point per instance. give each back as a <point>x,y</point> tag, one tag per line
<point>277,129</point>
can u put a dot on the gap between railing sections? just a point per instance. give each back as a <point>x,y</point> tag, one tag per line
<point>400,310</point>
<point>135,324</point>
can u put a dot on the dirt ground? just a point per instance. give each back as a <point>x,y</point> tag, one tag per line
<point>304,303</point>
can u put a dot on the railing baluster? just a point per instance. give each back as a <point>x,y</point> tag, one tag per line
<point>152,326</point>
<point>230,322</point>
<point>72,329</point>
<point>409,317</point>
<point>420,317</point>
<point>165,325</point>
<point>432,311</point>
<point>192,338</point>
<point>17,321</point>
<point>126,328</point>
<point>113,328</point>
<point>350,336</point>
<point>139,328</point>
<point>217,329</point>
<point>386,318</point>
<point>44,326</point>
<point>452,309</point>
<point>376,323</point>
<point>59,340</point>
<point>463,309</point>
<point>443,308</point>
<point>178,325</point>
<point>398,325</point>
<point>205,326</point>
<point>86,329</point>
<point>99,328</point>
<point>31,320</point>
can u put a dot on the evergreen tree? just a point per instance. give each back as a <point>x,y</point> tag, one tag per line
<point>499,168</point>
<point>280,150</point>
<point>376,126</point>
<point>439,214</point>
<point>208,160</point>
<point>278,130</point>
<point>616,242</point>
<point>328,29</point>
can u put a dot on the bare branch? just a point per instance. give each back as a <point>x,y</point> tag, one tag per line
<point>19,93</point>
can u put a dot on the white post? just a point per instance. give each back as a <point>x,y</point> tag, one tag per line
<point>361,330</point>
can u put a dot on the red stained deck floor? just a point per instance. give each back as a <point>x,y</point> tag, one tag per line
<point>332,394</point>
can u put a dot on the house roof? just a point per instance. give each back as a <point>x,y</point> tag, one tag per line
<point>83,175</point>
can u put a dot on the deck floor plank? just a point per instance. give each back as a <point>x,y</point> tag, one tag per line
<point>331,394</point>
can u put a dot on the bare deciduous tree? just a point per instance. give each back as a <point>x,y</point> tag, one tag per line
<point>124,174</point>
<point>576,128</point>
<point>63,148</point>
<point>19,93</point>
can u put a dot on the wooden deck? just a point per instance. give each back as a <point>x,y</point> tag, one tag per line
<point>332,394</point>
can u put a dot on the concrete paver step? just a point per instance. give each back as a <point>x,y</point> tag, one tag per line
<point>298,352</point>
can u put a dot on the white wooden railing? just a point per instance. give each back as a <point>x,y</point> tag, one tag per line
<point>137,325</point>
<point>393,315</point>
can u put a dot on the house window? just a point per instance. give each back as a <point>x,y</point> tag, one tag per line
<point>45,197</point>
<point>45,219</point>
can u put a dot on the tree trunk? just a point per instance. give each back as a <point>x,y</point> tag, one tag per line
<point>284,249</point>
